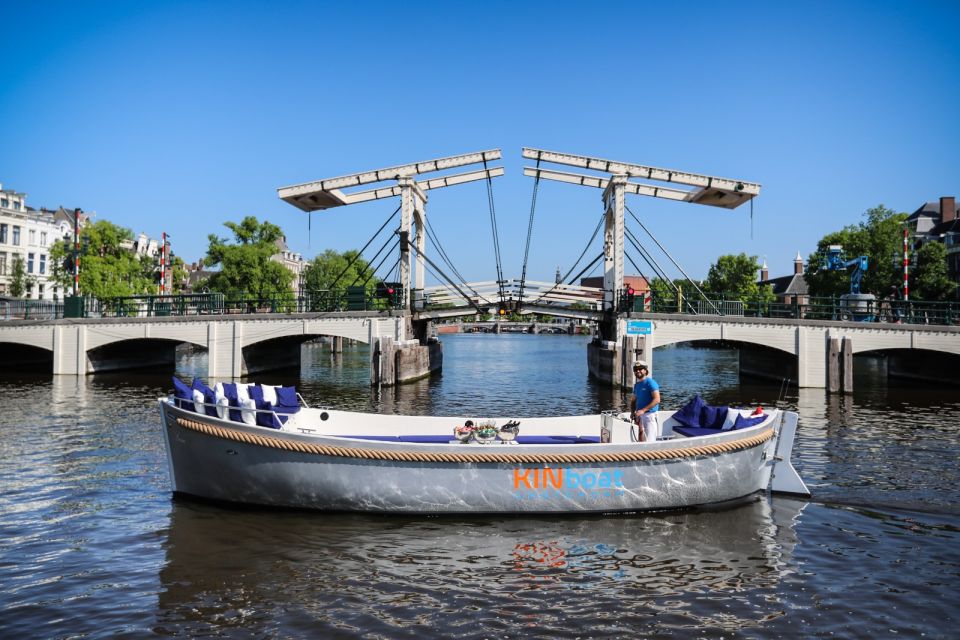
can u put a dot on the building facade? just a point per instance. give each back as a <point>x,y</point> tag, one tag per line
<point>28,235</point>
<point>937,222</point>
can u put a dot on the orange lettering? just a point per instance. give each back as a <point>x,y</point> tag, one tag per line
<point>554,477</point>
<point>525,478</point>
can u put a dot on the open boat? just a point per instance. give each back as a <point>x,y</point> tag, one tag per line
<point>325,459</point>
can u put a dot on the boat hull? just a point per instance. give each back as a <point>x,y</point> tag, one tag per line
<point>224,461</point>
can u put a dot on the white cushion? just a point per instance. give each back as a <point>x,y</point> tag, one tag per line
<point>730,419</point>
<point>222,405</point>
<point>269,394</point>
<point>248,411</point>
<point>198,401</point>
<point>243,392</point>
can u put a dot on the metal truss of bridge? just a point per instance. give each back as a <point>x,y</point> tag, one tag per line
<point>544,298</point>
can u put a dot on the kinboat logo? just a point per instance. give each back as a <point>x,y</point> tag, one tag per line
<point>532,484</point>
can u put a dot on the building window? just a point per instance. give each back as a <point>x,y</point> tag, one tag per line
<point>43,264</point>
<point>43,238</point>
<point>40,292</point>
<point>16,205</point>
<point>4,203</point>
<point>16,235</point>
<point>32,234</point>
<point>29,263</point>
<point>3,264</point>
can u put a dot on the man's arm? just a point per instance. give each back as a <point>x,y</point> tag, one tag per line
<point>633,403</point>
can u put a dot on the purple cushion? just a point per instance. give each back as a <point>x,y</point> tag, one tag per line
<point>689,415</point>
<point>752,421</point>
<point>712,417</point>
<point>209,398</point>
<point>693,432</point>
<point>287,401</point>
<point>230,391</point>
<point>264,419</point>
<point>182,394</point>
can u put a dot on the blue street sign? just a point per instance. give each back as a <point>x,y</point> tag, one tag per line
<point>639,327</point>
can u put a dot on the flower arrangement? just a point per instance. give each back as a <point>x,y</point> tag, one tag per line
<point>464,432</point>
<point>486,432</point>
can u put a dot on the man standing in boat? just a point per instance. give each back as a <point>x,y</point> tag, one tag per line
<point>645,402</point>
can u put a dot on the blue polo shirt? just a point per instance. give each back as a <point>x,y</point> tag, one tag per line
<point>644,391</point>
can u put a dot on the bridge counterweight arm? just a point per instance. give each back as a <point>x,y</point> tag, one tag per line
<point>425,185</point>
<point>311,196</point>
<point>601,183</point>
<point>641,171</point>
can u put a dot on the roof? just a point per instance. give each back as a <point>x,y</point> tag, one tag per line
<point>793,284</point>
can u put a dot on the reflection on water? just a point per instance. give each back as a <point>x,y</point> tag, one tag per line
<point>474,577</point>
<point>92,544</point>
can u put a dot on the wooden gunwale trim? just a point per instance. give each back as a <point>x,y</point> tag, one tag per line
<point>477,457</point>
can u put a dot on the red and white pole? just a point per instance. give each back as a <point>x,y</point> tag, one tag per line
<point>163,264</point>
<point>76,251</point>
<point>906,266</point>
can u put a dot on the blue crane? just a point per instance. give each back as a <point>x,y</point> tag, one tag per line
<point>853,305</point>
<point>835,262</point>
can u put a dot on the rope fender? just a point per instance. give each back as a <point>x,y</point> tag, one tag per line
<point>512,458</point>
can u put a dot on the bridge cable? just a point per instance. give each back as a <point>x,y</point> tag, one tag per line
<point>374,272</point>
<point>526,252</point>
<point>435,241</point>
<point>570,270</point>
<point>496,234</point>
<point>360,253</point>
<point>648,258</point>
<point>377,255</point>
<point>442,274</point>
<point>652,262</point>
<point>666,253</point>
<point>586,268</point>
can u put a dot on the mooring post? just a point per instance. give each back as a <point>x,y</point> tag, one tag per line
<point>847,365</point>
<point>833,365</point>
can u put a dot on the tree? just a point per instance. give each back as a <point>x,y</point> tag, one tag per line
<point>246,269</point>
<point>108,266</point>
<point>20,282</point>
<point>930,279</point>
<point>332,270</point>
<point>879,237</point>
<point>735,276</point>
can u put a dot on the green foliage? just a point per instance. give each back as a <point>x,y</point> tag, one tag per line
<point>246,270</point>
<point>20,282</point>
<point>735,276</point>
<point>930,280</point>
<point>108,268</point>
<point>879,237</point>
<point>323,272</point>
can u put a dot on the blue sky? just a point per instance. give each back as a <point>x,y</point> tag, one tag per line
<point>179,116</point>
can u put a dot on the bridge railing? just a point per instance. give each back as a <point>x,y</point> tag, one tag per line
<point>350,299</point>
<point>807,308</point>
<point>30,309</point>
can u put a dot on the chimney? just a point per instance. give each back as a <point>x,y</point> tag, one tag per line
<point>948,208</point>
<point>797,265</point>
<point>764,272</point>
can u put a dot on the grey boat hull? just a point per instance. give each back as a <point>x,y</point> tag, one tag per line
<point>228,461</point>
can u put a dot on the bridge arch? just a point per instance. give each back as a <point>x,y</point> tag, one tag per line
<point>26,357</point>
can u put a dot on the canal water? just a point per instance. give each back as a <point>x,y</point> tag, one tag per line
<point>93,545</point>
